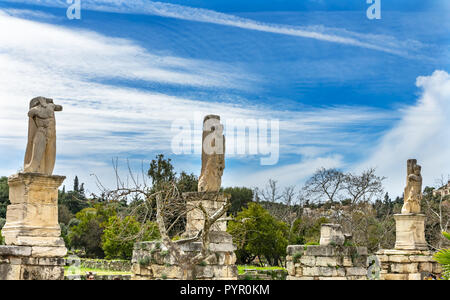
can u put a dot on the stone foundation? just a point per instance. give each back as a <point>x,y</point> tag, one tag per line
<point>407,265</point>
<point>212,202</point>
<point>21,263</point>
<point>326,262</point>
<point>35,249</point>
<point>151,260</point>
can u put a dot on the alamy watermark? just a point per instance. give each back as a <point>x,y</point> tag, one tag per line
<point>243,137</point>
<point>74,10</point>
<point>374,10</point>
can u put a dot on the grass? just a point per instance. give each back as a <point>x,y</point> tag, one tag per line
<point>242,269</point>
<point>83,271</point>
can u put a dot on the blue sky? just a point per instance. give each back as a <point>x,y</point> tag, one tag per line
<point>349,92</point>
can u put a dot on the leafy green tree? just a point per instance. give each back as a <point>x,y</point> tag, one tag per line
<point>2,223</point>
<point>187,182</point>
<point>87,234</point>
<point>161,170</point>
<point>258,234</point>
<point>307,229</point>
<point>74,200</point>
<point>4,196</point>
<point>240,197</point>
<point>120,235</point>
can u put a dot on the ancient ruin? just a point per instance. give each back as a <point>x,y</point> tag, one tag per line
<point>331,260</point>
<point>411,258</point>
<point>213,155</point>
<point>41,148</point>
<point>34,247</point>
<point>152,260</point>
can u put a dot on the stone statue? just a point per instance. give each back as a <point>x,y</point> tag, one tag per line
<point>413,189</point>
<point>41,148</point>
<point>213,155</point>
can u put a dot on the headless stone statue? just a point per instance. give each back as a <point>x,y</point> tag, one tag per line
<point>413,189</point>
<point>213,155</point>
<point>41,148</point>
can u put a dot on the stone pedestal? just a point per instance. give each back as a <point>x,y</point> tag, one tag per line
<point>211,202</point>
<point>411,259</point>
<point>152,261</point>
<point>32,234</point>
<point>410,232</point>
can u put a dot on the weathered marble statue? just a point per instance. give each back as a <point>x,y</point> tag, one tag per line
<point>213,155</point>
<point>41,148</point>
<point>413,189</point>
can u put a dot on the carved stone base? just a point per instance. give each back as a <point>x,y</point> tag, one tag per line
<point>20,263</point>
<point>195,219</point>
<point>410,232</point>
<point>32,216</point>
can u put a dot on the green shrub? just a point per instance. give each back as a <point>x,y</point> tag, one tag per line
<point>144,261</point>
<point>443,258</point>
<point>121,234</point>
<point>297,257</point>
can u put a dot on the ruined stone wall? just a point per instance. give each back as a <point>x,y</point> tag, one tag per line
<point>407,265</point>
<point>152,261</point>
<point>326,262</point>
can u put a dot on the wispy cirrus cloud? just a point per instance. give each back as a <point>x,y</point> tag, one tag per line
<point>377,42</point>
<point>102,120</point>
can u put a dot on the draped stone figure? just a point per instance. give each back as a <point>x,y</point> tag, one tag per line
<point>213,155</point>
<point>41,148</point>
<point>413,189</point>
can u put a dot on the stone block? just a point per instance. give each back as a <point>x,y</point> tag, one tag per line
<point>48,251</point>
<point>290,267</point>
<point>331,234</point>
<point>399,258</point>
<point>410,232</point>
<point>309,261</point>
<point>311,271</point>
<point>421,258</point>
<point>404,268</point>
<point>328,261</point>
<point>426,267</point>
<point>354,271</point>
<point>415,276</point>
<point>294,249</point>
<point>15,251</point>
<point>391,276</point>
<point>317,250</point>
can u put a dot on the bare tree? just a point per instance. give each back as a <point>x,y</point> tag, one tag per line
<point>170,208</point>
<point>436,206</point>
<point>325,185</point>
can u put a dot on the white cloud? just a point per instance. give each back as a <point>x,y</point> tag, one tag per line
<point>101,120</point>
<point>287,175</point>
<point>422,133</point>
<point>378,42</point>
